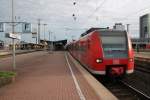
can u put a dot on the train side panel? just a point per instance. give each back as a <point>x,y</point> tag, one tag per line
<point>96,53</point>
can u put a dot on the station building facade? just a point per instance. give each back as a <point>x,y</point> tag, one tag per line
<point>26,33</point>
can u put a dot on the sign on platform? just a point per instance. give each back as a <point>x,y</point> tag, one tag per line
<point>34,34</point>
<point>13,36</point>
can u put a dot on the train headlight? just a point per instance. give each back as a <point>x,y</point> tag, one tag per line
<point>99,60</point>
<point>130,59</point>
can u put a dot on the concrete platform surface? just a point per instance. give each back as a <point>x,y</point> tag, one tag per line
<point>100,90</point>
<point>9,52</point>
<point>44,76</point>
<point>142,56</point>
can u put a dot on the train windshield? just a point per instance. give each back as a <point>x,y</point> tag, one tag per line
<point>114,44</point>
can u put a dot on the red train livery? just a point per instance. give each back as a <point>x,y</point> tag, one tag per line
<point>104,52</point>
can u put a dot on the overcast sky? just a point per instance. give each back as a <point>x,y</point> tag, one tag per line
<point>89,13</point>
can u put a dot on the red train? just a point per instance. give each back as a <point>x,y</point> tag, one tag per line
<point>104,52</point>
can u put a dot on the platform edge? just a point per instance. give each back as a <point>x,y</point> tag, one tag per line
<point>100,90</point>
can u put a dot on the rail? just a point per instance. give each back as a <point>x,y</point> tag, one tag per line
<point>145,97</point>
<point>142,69</point>
<point>124,91</point>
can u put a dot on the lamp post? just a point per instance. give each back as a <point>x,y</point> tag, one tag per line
<point>49,40</point>
<point>51,43</point>
<point>44,37</point>
<point>13,40</point>
<point>39,24</point>
<point>128,27</point>
<point>49,36</point>
<point>44,31</point>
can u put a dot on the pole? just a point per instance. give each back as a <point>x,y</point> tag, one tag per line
<point>44,30</point>
<point>49,36</point>
<point>50,41</point>
<point>13,40</point>
<point>128,27</point>
<point>36,39</point>
<point>44,37</point>
<point>39,24</point>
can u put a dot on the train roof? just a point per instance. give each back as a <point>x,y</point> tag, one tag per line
<point>101,30</point>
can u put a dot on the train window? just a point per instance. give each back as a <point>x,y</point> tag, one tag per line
<point>114,44</point>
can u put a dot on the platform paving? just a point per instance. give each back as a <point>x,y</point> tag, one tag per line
<point>142,56</point>
<point>44,76</point>
<point>9,52</point>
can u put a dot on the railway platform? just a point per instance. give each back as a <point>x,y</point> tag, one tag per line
<point>51,76</point>
<point>9,52</point>
<point>142,56</point>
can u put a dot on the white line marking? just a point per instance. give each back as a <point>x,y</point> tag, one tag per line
<point>75,81</point>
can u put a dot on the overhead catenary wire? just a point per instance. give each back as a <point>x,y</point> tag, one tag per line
<point>124,18</point>
<point>97,8</point>
<point>134,13</point>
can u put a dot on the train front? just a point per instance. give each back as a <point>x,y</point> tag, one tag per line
<point>118,55</point>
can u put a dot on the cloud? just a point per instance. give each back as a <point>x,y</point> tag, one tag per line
<point>58,13</point>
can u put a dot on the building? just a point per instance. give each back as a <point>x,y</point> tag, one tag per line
<point>144,40</point>
<point>56,45</point>
<point>119,26</point>
<point>1,44</point>
<point>145,26</point>
<point>26,31</point>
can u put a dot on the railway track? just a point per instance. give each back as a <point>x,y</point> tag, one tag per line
<point>141,94</point>
<point>142,66</point>
<point>124,91</point>
<point>142,69</point>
